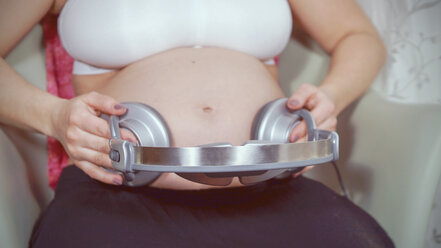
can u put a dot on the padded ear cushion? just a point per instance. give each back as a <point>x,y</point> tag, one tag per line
<point>274,122</point>
<point>150,129</point>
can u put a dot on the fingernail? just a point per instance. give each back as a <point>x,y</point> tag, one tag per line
<point>293,103</point>
<point>117,181</point>
<point>118,106</point>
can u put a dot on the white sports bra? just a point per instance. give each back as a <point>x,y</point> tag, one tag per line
<point>102,35</point>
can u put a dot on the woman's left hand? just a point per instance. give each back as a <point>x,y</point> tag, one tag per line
<point>320,105</point>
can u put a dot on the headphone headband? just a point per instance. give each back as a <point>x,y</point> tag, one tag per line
<point>254,161</point>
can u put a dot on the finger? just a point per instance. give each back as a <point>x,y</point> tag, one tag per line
<point>94,157</point>
<point>329,124</point>
<point>300,96</point>
<point>306,169</point>
<point>302,139</point>
<point>96,143</point>
<point>100,127</point>
<point>128,135</point>
<point>320,114</point>
<point>98,173</point>
<point>95,125</point>
<point>298,132</point>
<point>78,138</point>
<point>312,102</point>
<point>104,104</point>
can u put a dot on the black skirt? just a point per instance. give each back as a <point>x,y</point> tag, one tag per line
<point>278,213</point>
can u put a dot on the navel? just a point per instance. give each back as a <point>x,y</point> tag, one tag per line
<point>207,109</point>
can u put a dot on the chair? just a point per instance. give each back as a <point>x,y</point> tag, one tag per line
<point>390,155</point>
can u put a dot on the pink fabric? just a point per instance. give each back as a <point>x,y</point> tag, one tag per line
<point>59,66</point>
<point>276,60</point>
<point>59,82</point>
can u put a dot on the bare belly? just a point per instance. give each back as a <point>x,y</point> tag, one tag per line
<point>205,95</point>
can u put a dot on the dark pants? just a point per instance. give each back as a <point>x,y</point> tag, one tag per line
<point>284,213</point>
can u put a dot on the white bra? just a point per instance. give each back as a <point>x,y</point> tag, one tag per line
<point>102,35</point>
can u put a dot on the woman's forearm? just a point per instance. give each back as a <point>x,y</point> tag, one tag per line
<point>355,63</point>
<point>342,29</point>
<point>24,105</point>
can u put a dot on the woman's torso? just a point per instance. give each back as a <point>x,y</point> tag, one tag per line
<point>209,94</point>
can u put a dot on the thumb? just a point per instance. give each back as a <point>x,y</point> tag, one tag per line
<point>299,98</point>
<point>104,104</point>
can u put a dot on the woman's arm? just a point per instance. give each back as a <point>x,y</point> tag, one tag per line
<point>17,97</point>
<point>75,123</point>
<point>357,54</point>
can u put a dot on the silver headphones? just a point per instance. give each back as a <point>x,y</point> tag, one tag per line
<point>267,155</point>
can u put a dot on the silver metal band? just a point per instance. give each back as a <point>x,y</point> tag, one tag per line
<point>249,157</point>
<point>234,158</point>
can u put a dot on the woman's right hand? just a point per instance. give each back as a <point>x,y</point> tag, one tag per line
<point>85,136</point>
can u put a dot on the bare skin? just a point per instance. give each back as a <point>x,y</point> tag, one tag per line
<point>202,102</point>
<point>224,89</point>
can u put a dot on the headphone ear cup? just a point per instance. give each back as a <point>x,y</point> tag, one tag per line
<point>150,129</point>
<point>257,122</point>
<point>274,122</point>
<point>270,125</point>
<point>146,124</point>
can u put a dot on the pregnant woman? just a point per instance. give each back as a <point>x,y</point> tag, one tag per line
<point>207,67</point>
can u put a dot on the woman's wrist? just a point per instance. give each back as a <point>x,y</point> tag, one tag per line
<point>53,116</point>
